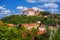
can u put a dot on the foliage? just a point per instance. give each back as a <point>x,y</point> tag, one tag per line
<point>45,13</point>
<point>20,33</point>
<point>31,19</point>
<point>15,33</point>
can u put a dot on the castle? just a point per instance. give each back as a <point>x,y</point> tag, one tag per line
<point>31,12</point>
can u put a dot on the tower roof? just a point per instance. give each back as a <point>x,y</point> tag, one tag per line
<point>30,9</point>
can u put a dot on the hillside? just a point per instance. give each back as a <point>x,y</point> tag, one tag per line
<point>48,32</point>
<point>46,18</point>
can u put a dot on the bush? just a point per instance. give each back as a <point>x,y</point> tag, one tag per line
<point>15,33</point>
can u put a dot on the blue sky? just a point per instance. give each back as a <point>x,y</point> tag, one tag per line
<point>12,7</point>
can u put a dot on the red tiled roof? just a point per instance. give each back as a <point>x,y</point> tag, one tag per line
<point>30,9</point>
<point>10,25</point>
<point>30,25</point>
<point>41,32</point>
<point>24,11</point>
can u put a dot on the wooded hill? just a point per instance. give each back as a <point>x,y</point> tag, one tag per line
<point>50,19</point>
<point>21,33</point>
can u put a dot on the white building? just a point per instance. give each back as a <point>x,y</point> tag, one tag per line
<point>30,12</point>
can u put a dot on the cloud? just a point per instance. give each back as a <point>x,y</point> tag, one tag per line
<point>4,11</point>
<point>25,8</point>
<point>34,1</point>
<point>53,10</point>
<point>41,9</point>
<point>50,1</point>
<point>50,5</point>
<point>1,8</point>
<point>19,7</point>
<point>36,8</point>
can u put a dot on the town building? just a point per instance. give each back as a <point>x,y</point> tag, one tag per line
<point>31,25</point>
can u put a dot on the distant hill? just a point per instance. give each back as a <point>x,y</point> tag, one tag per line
<point>46,18</point>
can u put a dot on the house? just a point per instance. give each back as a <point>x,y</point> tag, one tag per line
<point>25,12</point>
<point>31,25</point>
<point>36,12</point>
<point>31,12</point>
<point>41,32</point>
<point>11,25</point>
<point>42,29</point>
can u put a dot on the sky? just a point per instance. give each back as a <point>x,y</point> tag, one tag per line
<point>13,7</point>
